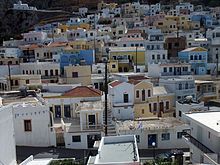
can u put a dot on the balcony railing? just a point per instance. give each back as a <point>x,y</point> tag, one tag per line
<point>197,143</point>
<point>78,128</point>
<point>175,74</point>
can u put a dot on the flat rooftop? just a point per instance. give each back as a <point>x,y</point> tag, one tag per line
<point>94,105</point>
<point>40,162</point>
<point>210,120</point>
<point>123,149</point>
<point>151,124</point>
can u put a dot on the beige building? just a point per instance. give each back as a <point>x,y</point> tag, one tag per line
<point>77,75</point>
<point>151,101</point>
<point>17,81</point>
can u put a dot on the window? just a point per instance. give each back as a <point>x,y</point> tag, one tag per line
<point>191,57</point>
<point>56,72</point>
<point>209,135</point>
<point>186,86</point>
<point>153,57</point>
<point>51,72</point>
<point>180,86</point>
<point>150,109</point>
<point>125,98</point>
<point>27,126</point>
<point>124,45</point>
<point>164,70</point>
<point>164,57</point>
<point>176,44</point>
<point>180,113</point>
<point>167,105</point>
<point>165,136</point>
<point>16,82</point>
<point>27,81</point>
<point>200,57</point>
<point>149,93</point>
<point>179,135</point>
<point>46,72</point>
<point>170,69</point>
<point>142,111</point>
<point>143,95</point>
<point>155,107</point>
<point>120,32</point>
<point>74,74</point>
<point>113,66</point>
<point>158,57</point>
<point>196,57</point>
<point>76,138</point>
<point>137,94</point>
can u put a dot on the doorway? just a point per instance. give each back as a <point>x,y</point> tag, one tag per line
<point>152,138</point>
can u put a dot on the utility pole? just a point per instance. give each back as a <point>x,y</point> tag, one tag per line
<point>217,65</point>
<point>9,75</point>
<point>136,58</point>
<point>95,38</point>
<point>106,99</point>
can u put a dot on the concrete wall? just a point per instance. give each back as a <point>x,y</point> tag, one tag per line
<point>166,144</point>
<point>7,138</point>
<point>41,134</point>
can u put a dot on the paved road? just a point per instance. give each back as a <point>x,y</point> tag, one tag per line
<point>48,152</point>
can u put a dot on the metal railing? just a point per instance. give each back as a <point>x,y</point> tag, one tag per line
<point>197,143</point>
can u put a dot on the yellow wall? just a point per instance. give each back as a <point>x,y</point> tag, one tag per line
<point>140,56</point>
<point>84,75</point>
<point>139,105</point>
<point>113,70</point>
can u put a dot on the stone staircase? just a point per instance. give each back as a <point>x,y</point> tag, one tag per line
<point>110,124</point>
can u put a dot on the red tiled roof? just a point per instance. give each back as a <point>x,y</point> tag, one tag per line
<point>134,82</point>
<point>115,83</point>
<point>83,91</point>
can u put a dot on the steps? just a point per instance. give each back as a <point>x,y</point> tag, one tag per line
<point>110,125</point>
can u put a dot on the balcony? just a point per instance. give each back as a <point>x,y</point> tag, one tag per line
<point>175,74</point>
<point>49,77</point>
<point>121,104</point>
<point>191,140</point>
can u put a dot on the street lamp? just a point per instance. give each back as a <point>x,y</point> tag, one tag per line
<point>154,145</point>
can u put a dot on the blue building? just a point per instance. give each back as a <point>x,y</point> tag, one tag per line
<point>204,19</point>
<point>86,57</point>
<point>197,57</point>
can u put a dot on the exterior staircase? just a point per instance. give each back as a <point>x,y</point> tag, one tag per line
<point>110,124</point>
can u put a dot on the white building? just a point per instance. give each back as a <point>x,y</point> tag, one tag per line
<point>155,56</point>
<point>10,52</point>
<point>7,139</point>
<point>33,124</point>
<point>204,137</point>
<point>121,99</point>
<point>83,11</point>
<point>49,71</point>
<point>123,150</point>
<point>23,6</point>
<point>164,69</point>
<point>181,86</point>
<point>166,133</point>
<point>82,132</point>
<point>181,6</point>
<point>34,37</point>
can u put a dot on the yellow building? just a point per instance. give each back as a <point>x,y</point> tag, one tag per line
<point>127,57</point>
<point>173,23</point>
<point>113,66</point>
<point>64,27</point>
<point>103,5</point>
<point>77,75</point>
<point>151,101</point>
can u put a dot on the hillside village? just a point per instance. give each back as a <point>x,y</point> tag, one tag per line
<point>143,76</point>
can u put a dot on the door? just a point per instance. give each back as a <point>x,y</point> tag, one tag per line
<point>143,95</point>
<point>161,107</point>
<point>91,119</point>
<point>57,111</point>
<point>152,138</point>
<point>67,112</point>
